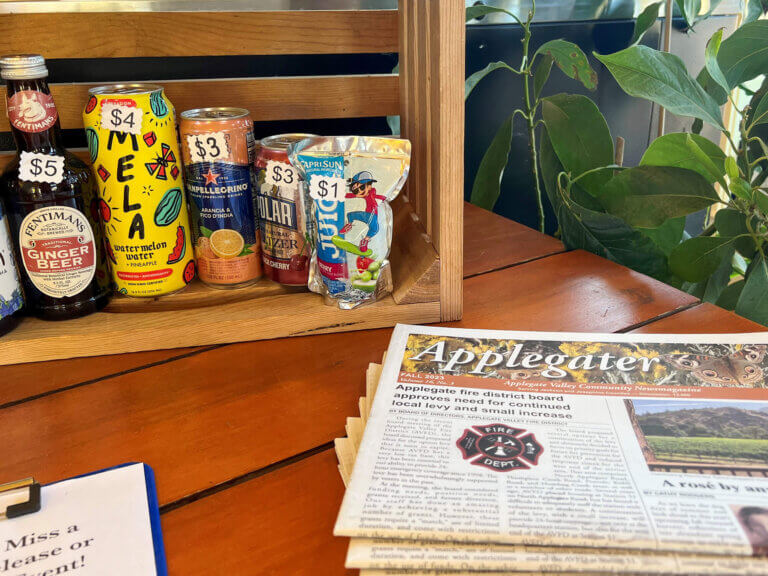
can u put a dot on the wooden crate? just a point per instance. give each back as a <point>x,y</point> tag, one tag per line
<point>428,95</point>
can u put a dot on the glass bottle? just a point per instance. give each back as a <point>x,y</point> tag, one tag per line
<point>11,294</point>
<point>50,195</point>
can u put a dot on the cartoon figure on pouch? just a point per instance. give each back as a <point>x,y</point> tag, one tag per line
<point>361,188</point>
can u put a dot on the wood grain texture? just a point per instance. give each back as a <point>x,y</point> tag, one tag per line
<point>199,421</point>
<point>702,319</point>
<point>492,242</point>
<point>198,295</point>
<point>268,317</point>
<point>574,291</point>
<point>161,34</point>
<point>277,524</point>
<point>23,381</point>
<point>446,131</point>
<point>278,98</point>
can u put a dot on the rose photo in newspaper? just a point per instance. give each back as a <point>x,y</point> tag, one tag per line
<point>643,442</point>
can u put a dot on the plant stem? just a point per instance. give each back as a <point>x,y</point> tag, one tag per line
<point>530,112</point>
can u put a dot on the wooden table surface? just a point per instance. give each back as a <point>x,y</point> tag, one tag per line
<point>240,436</point>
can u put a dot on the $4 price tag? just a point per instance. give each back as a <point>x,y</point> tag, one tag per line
<point>329,188</point>
<point>121,118</point>
<point>280,174</point>
<point>38,167</point>
<point>207,147</point>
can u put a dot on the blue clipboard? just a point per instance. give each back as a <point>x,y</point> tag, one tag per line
<point>154,509</point>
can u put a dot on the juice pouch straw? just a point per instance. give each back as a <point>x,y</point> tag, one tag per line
<point>350,181</point>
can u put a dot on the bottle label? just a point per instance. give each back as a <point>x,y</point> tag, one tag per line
<point>10,289</point>
<point>32,111</point>
<point>58,250</point>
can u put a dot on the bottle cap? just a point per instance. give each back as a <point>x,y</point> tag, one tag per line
<point>22,67</point>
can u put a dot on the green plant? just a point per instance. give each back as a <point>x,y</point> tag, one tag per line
<point>534,71</point>
<point>636,216</point>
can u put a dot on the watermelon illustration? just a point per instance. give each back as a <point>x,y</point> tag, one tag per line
<point>189,271</point>
<point>180,249</point>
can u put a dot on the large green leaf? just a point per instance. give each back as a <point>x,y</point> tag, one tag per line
<point>541,75</point>
<point>730,295</point>
<point>471,82</point>
<point>663,79</point>
<point>730,222</point>
<point>753,301</point>
<point>580,136</point>
<point>571,60</point>
<point>668,235</point>
<point>755,9</point>
<point>689,9</point>
<point>742,57</point>
<point>710,58</point>
<point>696,259</point>
<point>487,185</point>
<point>646,196</point>
<point>673,150</point>
<point>644,21</point>
<point>760,114</point>
<point>711,289</point>
<point>597,232</point>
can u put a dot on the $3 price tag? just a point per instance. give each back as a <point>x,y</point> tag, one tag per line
<point>328,188</point>
<point>280,174</point>
<point>121,118</point>
<point>207,147</point>
<point>38,167</point>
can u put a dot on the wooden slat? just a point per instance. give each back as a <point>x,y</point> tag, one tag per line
<point>573,291</point>
<point>160,34</point>
<point>446,141</point>
<point>269,317</point>
<point>703,319</point>
<point>284,525</point>
<point>43,378</point>
<point>492,242</point>
<point>279,98</point>
<point>293,393</point>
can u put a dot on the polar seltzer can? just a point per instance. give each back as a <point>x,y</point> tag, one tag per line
<point>282,212</point>
<point>131,134</point>
<point>219,150</point>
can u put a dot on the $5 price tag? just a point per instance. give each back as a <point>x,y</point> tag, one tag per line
<point>121,118</point>
<point>38,167</point>
<point>329,188</point>
<point>210,146</point>
<point>280,174</point>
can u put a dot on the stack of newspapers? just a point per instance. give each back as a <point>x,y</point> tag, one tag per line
<point>550,453</point>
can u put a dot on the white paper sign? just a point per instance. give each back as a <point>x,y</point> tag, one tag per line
<point>280,174</point>
<point>39,167</point>
<point>328,188</point>
<point>207,147</point>
<point>90,526</point>
<point>121,118</point>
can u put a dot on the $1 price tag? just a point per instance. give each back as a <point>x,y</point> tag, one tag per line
<point>280,174</point>
<point>329,188</point>
<point>38,167</point>
<point>121,118</point>
<point>207,147</point>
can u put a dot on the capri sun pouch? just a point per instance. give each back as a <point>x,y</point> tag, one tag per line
<point>350,181</point>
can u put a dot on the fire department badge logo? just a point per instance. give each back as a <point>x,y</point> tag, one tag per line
<point>500,447</point>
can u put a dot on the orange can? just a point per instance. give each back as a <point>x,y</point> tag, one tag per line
<point>219,148</point>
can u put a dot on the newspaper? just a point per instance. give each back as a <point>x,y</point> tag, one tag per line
<point>564,440</point>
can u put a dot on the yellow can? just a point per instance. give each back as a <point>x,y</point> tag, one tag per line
<point>131,133</point>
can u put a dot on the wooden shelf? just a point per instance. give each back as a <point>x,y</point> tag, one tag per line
<point>266,317</point>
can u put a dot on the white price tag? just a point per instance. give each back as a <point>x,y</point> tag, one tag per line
<point>121,118</point>
<point>330,188</point>
<point>207,147</point>
<point>38,167</point>
<point>280,174</point>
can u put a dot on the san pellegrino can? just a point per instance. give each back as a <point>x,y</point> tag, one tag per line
<point>218,147</point>
<point>131,134</point>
